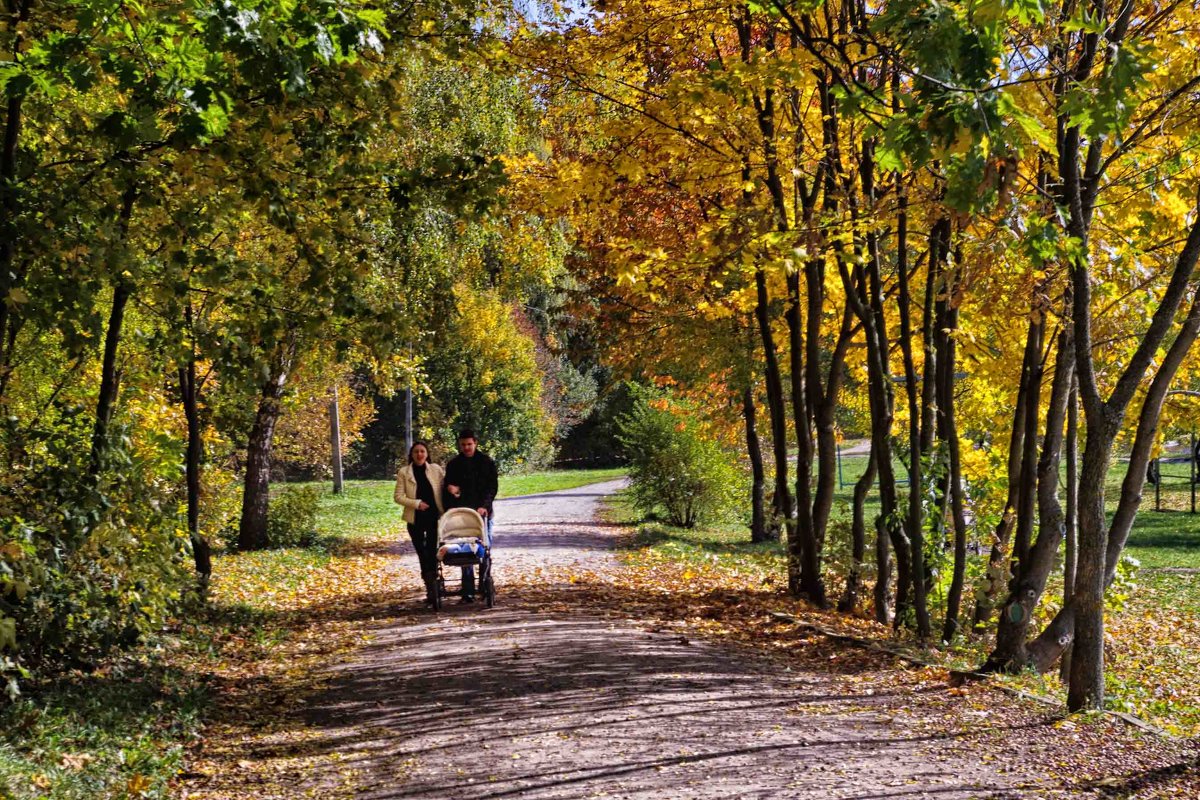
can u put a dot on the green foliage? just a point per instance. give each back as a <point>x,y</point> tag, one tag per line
<point>87,565</point>
<point>292,518</point>
<point>1124,584</point>
<point>838,554</point>
<point>484,375</point>
<point>675,469</point>
<point>117,735</point>
<point>249,173</point>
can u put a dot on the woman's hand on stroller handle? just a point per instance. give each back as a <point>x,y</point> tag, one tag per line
<point>483,512</point>
<point>454,490</point>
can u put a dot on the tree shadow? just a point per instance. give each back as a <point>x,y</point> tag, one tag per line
<point>536,698</point>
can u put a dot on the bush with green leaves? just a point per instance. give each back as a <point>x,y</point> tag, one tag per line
<point>675,470</point>
<point>90,559</point>
<point>292,518</point>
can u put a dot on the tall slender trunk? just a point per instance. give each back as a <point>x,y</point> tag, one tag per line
<point>1071,526</point>
<point>858,537</point>
<point>939,241</point>
<point>109,377</point>
<point>775,406</point>
<point>957,502</point>
<point>252,530</point>
<point>1027,491</point>
<point>803,564</point>
<point>335,440</point>
<point>758,513</point>
<point>18,12</point>
<point>189,391</point>
<point>904,577</point>
<point>997,569</point>
<point>900,542</point>
<point>801,547</point>
<point>888,525</point>
<point>1032,572</point>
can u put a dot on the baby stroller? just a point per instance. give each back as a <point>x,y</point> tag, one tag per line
<point>463,541</point>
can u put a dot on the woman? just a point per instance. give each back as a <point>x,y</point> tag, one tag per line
<point>419,490</point>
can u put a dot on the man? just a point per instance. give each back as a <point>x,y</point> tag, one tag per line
<point>471,482</point>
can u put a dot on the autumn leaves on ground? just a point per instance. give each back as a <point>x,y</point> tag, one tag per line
<point>285,626</point>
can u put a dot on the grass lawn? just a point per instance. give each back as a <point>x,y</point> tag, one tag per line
<point>1154,624</point>
<point>366,508</point>
<point>554,480</point>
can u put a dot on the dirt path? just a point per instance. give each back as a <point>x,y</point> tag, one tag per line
<point>537,700</point>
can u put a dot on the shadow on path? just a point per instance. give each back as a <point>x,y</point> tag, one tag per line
<point>540,699</point>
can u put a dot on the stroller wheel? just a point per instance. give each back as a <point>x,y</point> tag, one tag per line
<point>489,592</point>
<point>438,590</point>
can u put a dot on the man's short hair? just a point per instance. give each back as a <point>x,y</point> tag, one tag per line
<point>467,433</point>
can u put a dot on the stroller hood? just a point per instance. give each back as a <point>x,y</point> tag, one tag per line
<point>462,523</point>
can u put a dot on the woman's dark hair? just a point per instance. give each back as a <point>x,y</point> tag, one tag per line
<point>414,447</point>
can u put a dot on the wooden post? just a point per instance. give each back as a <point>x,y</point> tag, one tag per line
<point>408,430</point>
<point>841,480</point>
<point>335,442</point>
<point>1157,485</point>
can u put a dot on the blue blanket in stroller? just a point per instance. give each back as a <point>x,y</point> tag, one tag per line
<point>462,552</point>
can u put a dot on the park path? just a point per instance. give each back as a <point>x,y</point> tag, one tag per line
<point>530,701</point>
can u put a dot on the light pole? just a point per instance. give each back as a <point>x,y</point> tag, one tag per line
<point>335,441</point>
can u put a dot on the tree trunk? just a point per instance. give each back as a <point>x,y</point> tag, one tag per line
<point>109,378</point>
<point>1027,491</point>
<point>18,12</point>
<point>939,242</point>
<point>765,112</point>
<point>758,515</point>
<point>775,408</point>
<point>1032,572</point>
<point>801,547</point>
<point>864,294</point>
<point>900,542</point>
<point>858,539</point>
<point>335,441</point>
<point>997,569</point>
<point>1086,686</point>
<point>252,531</point>
<point>1072,528</point>
<point>957,505</point>
<point>189,392</point>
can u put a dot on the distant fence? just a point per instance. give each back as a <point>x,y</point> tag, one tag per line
<point>1173,475</point>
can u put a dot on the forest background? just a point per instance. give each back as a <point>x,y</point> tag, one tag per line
<point>965,232</point>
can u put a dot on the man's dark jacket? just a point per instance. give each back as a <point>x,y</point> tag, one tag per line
<point>476,477</point>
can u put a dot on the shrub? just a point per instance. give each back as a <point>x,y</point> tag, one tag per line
<point>88,563</point>
<point>292,519</point>
<point>673,467</point>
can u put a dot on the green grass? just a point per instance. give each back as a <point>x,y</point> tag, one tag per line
<point>115,734</point>
<point>365,509</point>
<point>1167,538</point>
<point>727,543</point>
<point>554,480</point>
